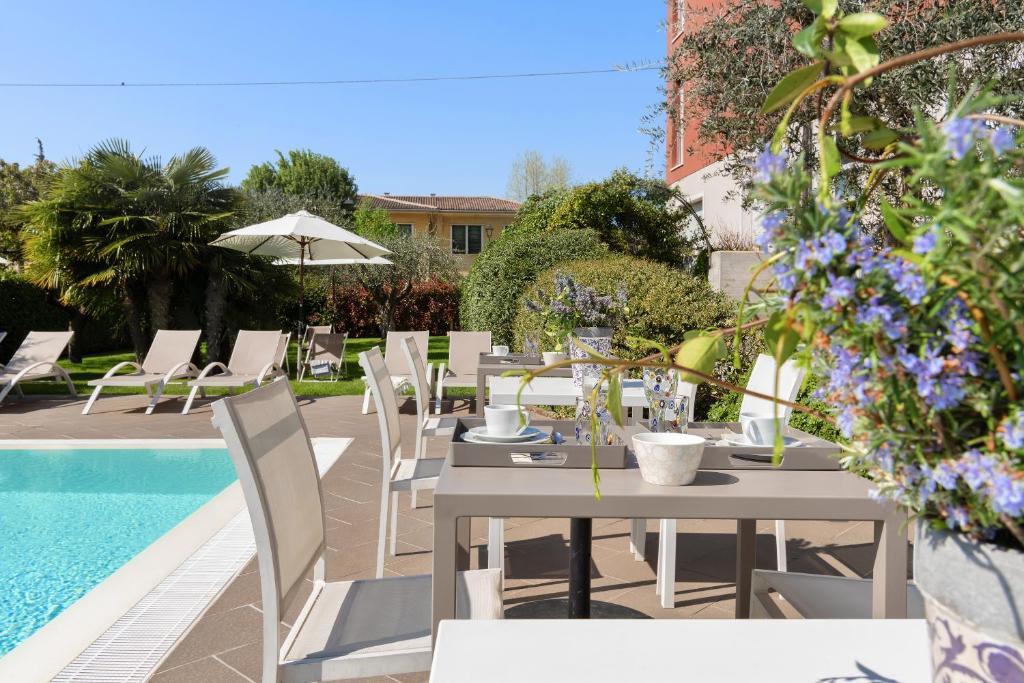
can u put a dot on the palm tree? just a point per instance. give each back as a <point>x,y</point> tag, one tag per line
<point>119,227</point>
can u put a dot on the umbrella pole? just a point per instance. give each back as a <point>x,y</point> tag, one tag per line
<point>302,305</point>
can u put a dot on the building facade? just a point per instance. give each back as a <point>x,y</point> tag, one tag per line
<point>465,224</point>
<point>691,166</point>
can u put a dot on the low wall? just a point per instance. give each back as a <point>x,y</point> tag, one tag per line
<point>730,272</point>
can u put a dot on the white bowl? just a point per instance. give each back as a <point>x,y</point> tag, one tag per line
<point>668,458</point>
<point>551,357</point>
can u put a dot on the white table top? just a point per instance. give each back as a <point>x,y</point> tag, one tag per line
<point>557,391</point>
<point>705,650</point>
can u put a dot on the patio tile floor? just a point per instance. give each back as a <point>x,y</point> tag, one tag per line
<point>223,645</point>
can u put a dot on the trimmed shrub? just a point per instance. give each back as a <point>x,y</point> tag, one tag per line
<point>663,303</point>
<point>507,266</point>
<point>431,305</point>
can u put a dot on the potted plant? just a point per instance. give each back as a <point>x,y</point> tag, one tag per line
<point>577,319</point>
<point>910,305</point>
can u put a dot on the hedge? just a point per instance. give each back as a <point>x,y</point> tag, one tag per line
<point>507,266</point>
<point>25,307</point>
<point>431,305</point>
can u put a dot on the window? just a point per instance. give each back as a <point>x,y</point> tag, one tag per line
<point>467,239</point>
<point>404,229</point>
<point>680,16</point>
<point>698,207</point>
<point>679,151</point>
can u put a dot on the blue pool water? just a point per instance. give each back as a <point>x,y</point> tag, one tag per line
<point>70,518</point>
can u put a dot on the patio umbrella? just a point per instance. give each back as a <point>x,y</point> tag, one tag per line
<point>302,238</point>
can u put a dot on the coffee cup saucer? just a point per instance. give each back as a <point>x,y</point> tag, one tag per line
<point>734,439</point>
<point>480,435</point>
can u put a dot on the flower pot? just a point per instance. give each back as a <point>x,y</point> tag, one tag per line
<point>597,338</point>
<point>668,459</point>
<point>973,597</point>
<point>553,357</point>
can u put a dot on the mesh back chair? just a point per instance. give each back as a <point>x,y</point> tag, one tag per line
<point>394,359</point>
<point>282,354</point>
<point>169,358</point>
<point>762,380</point>
<point>464,349</point>
<point>326,350</point>
<point>253,361</point>
<point>345,629</point>
<point>36,359</point>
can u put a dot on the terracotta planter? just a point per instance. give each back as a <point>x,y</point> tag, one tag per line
<point>597,338</point>
<point>974,602</point>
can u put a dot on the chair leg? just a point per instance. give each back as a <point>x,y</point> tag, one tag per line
<point>6,390</point>
<point>188,401</point>
<point>638,538</point>
<point>496,543</point>
<point>92,399</point>
<point>366,401</point>
<point>780,545</point>
<point>394,523</point>
<point>439,399</point>
<point>382,533</point>
<point>156,397</point>
<point>666,581</point>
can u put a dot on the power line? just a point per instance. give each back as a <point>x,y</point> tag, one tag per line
<point>617,69</point>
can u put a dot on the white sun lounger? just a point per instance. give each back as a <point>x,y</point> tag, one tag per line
<point>34,360</point>
<point>253,360</point>
<point>169,358</point>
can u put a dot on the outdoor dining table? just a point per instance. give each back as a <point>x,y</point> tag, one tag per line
<point>709,651</point>
<point>746,495</point>
<point>492,366</point>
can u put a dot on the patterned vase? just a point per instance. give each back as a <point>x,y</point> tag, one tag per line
<point>660,387</point>
<point>585,433</point>
<point>597,338</point>
<point>973,593</point>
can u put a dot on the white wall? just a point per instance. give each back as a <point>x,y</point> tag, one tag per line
<point>721,213</point>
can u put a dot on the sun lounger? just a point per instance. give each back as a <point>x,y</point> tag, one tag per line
<point>253,360</point>
<point>34,360</point>
<point>169,358</point>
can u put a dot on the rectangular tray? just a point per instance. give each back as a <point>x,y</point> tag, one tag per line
<point>813,454</point>
<point>510,359</point>
<point>563,455</point>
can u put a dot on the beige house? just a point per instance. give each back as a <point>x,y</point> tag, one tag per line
<point>465,224</point>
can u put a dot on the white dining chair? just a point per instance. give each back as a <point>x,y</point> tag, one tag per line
<point>345,629</point>
<point>762,380</point>
<point>399,373</point>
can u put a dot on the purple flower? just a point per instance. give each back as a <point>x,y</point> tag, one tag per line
<point>1002,140</point>
<point>1012,432</point>
<point>841,289</point>
<point>768,164</point>
<point>957,516</point>
<point>1006,494</point>
<point>925,243</point>
<point>976,468</point>
<point>945,475</point>
<point>960,134</point>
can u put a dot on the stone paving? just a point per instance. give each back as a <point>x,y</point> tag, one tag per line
<point>224,644</point>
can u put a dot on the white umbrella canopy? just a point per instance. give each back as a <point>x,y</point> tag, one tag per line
<point>301,236</point>
<point>375,261</point>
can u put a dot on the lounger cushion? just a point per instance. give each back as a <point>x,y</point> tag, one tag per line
<point>224,381</point>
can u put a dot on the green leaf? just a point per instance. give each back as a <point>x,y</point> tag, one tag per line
<point>615,398</point>
<point>894,221</point>
<point>830,158</point>
<point>863,53</point>
<point>700,354</point>
<point>828,8</point>
<point>845,116</point>
<point>813,5</point>
<point>879,139</point>
<point>862,24</point>
<point>807,41</point>
<point>779,336</point>
<point>860,124</point>
<point>1010,193</point>
<point>791,86</point>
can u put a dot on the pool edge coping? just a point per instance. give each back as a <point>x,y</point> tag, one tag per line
<point>45,653</point>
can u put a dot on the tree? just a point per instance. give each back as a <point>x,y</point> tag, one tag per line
<point>531,175</point>
<point>736,55</point>
<point>117,229</point>
<point>306,174</point>
<point>17,186</point>
<point>414,257</point>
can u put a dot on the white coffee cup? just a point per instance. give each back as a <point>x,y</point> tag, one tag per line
<point>499,350</point>
<point>758,429</point>
<point>505,420</point>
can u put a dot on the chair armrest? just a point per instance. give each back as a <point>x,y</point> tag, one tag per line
<point>123,364</point>
<point>267,370</point>
<point>176,370</point>
<point>442,372</point>
<point>211,367</point>
<point>17,378</point>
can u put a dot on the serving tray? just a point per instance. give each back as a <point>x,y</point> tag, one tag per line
<point>567,454</point>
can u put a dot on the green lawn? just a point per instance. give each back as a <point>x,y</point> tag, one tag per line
<point>350,383</point>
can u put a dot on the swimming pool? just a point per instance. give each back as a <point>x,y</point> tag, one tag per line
<point>70,517</point>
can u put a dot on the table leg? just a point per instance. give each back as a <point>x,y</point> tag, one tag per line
<point>580,539</point>
<point>463,543</point>
<point>481,393</point>
<point>746,545</point>
<point>445,563</point>
<point>889,575</point>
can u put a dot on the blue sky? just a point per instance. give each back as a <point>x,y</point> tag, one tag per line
<point>448,138</point>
